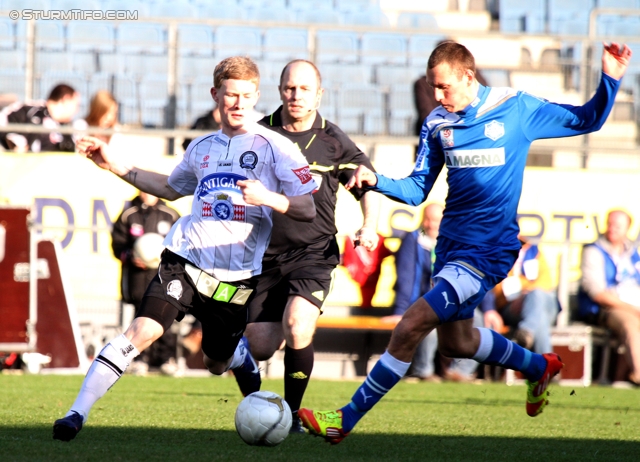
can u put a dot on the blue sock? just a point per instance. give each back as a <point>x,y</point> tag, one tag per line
<point>379,381</point>
<point>496,350</point>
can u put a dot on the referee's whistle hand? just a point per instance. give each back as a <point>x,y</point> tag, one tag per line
<point>362,177</point>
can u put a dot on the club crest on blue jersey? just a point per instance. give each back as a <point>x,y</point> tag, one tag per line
<point>248,160</point>
<point>446,136</point>
<point>494,130</point>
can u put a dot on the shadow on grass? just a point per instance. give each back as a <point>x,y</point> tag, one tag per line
<point>144,444</point>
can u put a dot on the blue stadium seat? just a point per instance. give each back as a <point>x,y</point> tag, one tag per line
<point>402,122</point>
<point>111,63</point>
<point>319,17</point>
<point>302,5</point>
<point>7,34</point>
<point>420,48</point>
<point>67,5</point>
<point>605,24</point>
<point>336,46</point>
<point>424,21</point>
<point>215,10</point>
<point>195,39</point>
<point>623,4</point>
<point>141,38</point>
<point>12,81</point>
<point>373,16</point>
<point>90,36</point>
<point>575,12</point>
<point>193,67</point>
<point>8,5</point>
<point>85,62</point>
<point>154,97</point>
<point>269,97</point>
<point>378,48</point>
<point>519,16</point>
<point>50,35</point>
<point>268,13</point>
<point>175,9</point>
<point>12,59</point>
<point>142,65</point>
<point>52,61</point>
<point>285,44</point>
<point>387,75</point>
<point>232,41</point>
<point>355,5</point>
<point>359,96</point>
<point>346,73</point>
<point>627,27</point>
<point>125,90</point>
<point>127,5</point>
<point>100,81</point>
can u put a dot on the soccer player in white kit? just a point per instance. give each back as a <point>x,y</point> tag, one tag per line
<point>212,255</point>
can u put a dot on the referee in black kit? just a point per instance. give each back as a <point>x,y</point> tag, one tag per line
<point>298,265</point>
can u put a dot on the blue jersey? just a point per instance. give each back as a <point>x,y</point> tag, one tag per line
<point>485,149</point>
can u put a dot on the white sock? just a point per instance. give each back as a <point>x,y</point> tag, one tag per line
<point>104,372</point>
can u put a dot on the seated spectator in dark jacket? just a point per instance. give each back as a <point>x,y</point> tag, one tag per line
<point>59,109</point>
<point>209,121</point>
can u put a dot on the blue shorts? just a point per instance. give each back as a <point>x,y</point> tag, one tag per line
<point>472,270</point>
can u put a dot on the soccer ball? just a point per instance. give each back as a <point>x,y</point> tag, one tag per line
<point>148,248</point>
<point>263,419</point>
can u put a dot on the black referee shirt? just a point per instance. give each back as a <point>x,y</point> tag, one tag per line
<point>332,158</point>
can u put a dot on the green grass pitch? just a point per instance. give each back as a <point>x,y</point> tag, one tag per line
<point>191,419</point>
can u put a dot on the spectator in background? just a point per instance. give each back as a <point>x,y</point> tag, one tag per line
<point>209,121</point>
<point>524,301</point>
<point>364,266</point>
<point>146,214</point>
<point>610,287</point>
<point>414,262</point>
<point>103,113</point>
<point>59,109</point>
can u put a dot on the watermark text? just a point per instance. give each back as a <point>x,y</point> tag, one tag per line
<point>75,15</point>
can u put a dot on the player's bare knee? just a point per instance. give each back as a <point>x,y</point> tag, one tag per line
<point>215,367</point>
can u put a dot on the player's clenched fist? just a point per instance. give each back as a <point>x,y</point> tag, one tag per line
<point>362,177</point>
<point>253,192</point>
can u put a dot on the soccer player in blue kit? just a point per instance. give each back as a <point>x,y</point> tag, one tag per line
<point>482,135</point>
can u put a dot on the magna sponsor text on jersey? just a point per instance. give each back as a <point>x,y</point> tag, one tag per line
<point>470,158</point>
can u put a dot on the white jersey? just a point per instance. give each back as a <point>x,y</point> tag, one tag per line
<point>224,236</point>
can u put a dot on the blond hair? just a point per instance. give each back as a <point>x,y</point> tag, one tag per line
<point>100,104</point>
<point>237,68</point>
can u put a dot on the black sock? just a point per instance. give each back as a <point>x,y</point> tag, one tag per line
<point>298,365</point>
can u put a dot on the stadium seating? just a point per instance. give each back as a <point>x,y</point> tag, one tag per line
<point>7,36</point>
<point>50,35</point>
<point>90,36</point>
<point>336,46</point>
<point>12,81</point>
<point>285,44</point>
<point>221,10</point>
<point>384,48</point>
<point>175,9</point>
<point>270,14</point>
<point>195,39</point>
<point>141,38</point>
<point>519,16</point>
<point>321,16</point>
<point>420,48</point>
<point>232,40</point>
<point>422,21</point>
<point>53,61</point>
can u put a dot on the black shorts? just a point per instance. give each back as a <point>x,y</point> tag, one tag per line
<point>306,273</point>
<point>223,324</point>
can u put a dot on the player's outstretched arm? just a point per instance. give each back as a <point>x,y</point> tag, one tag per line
<point>299,208</point>
<point>154,183</point>
<point>362,177</point>
<point>615,59</point>
<point>367,236</point>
